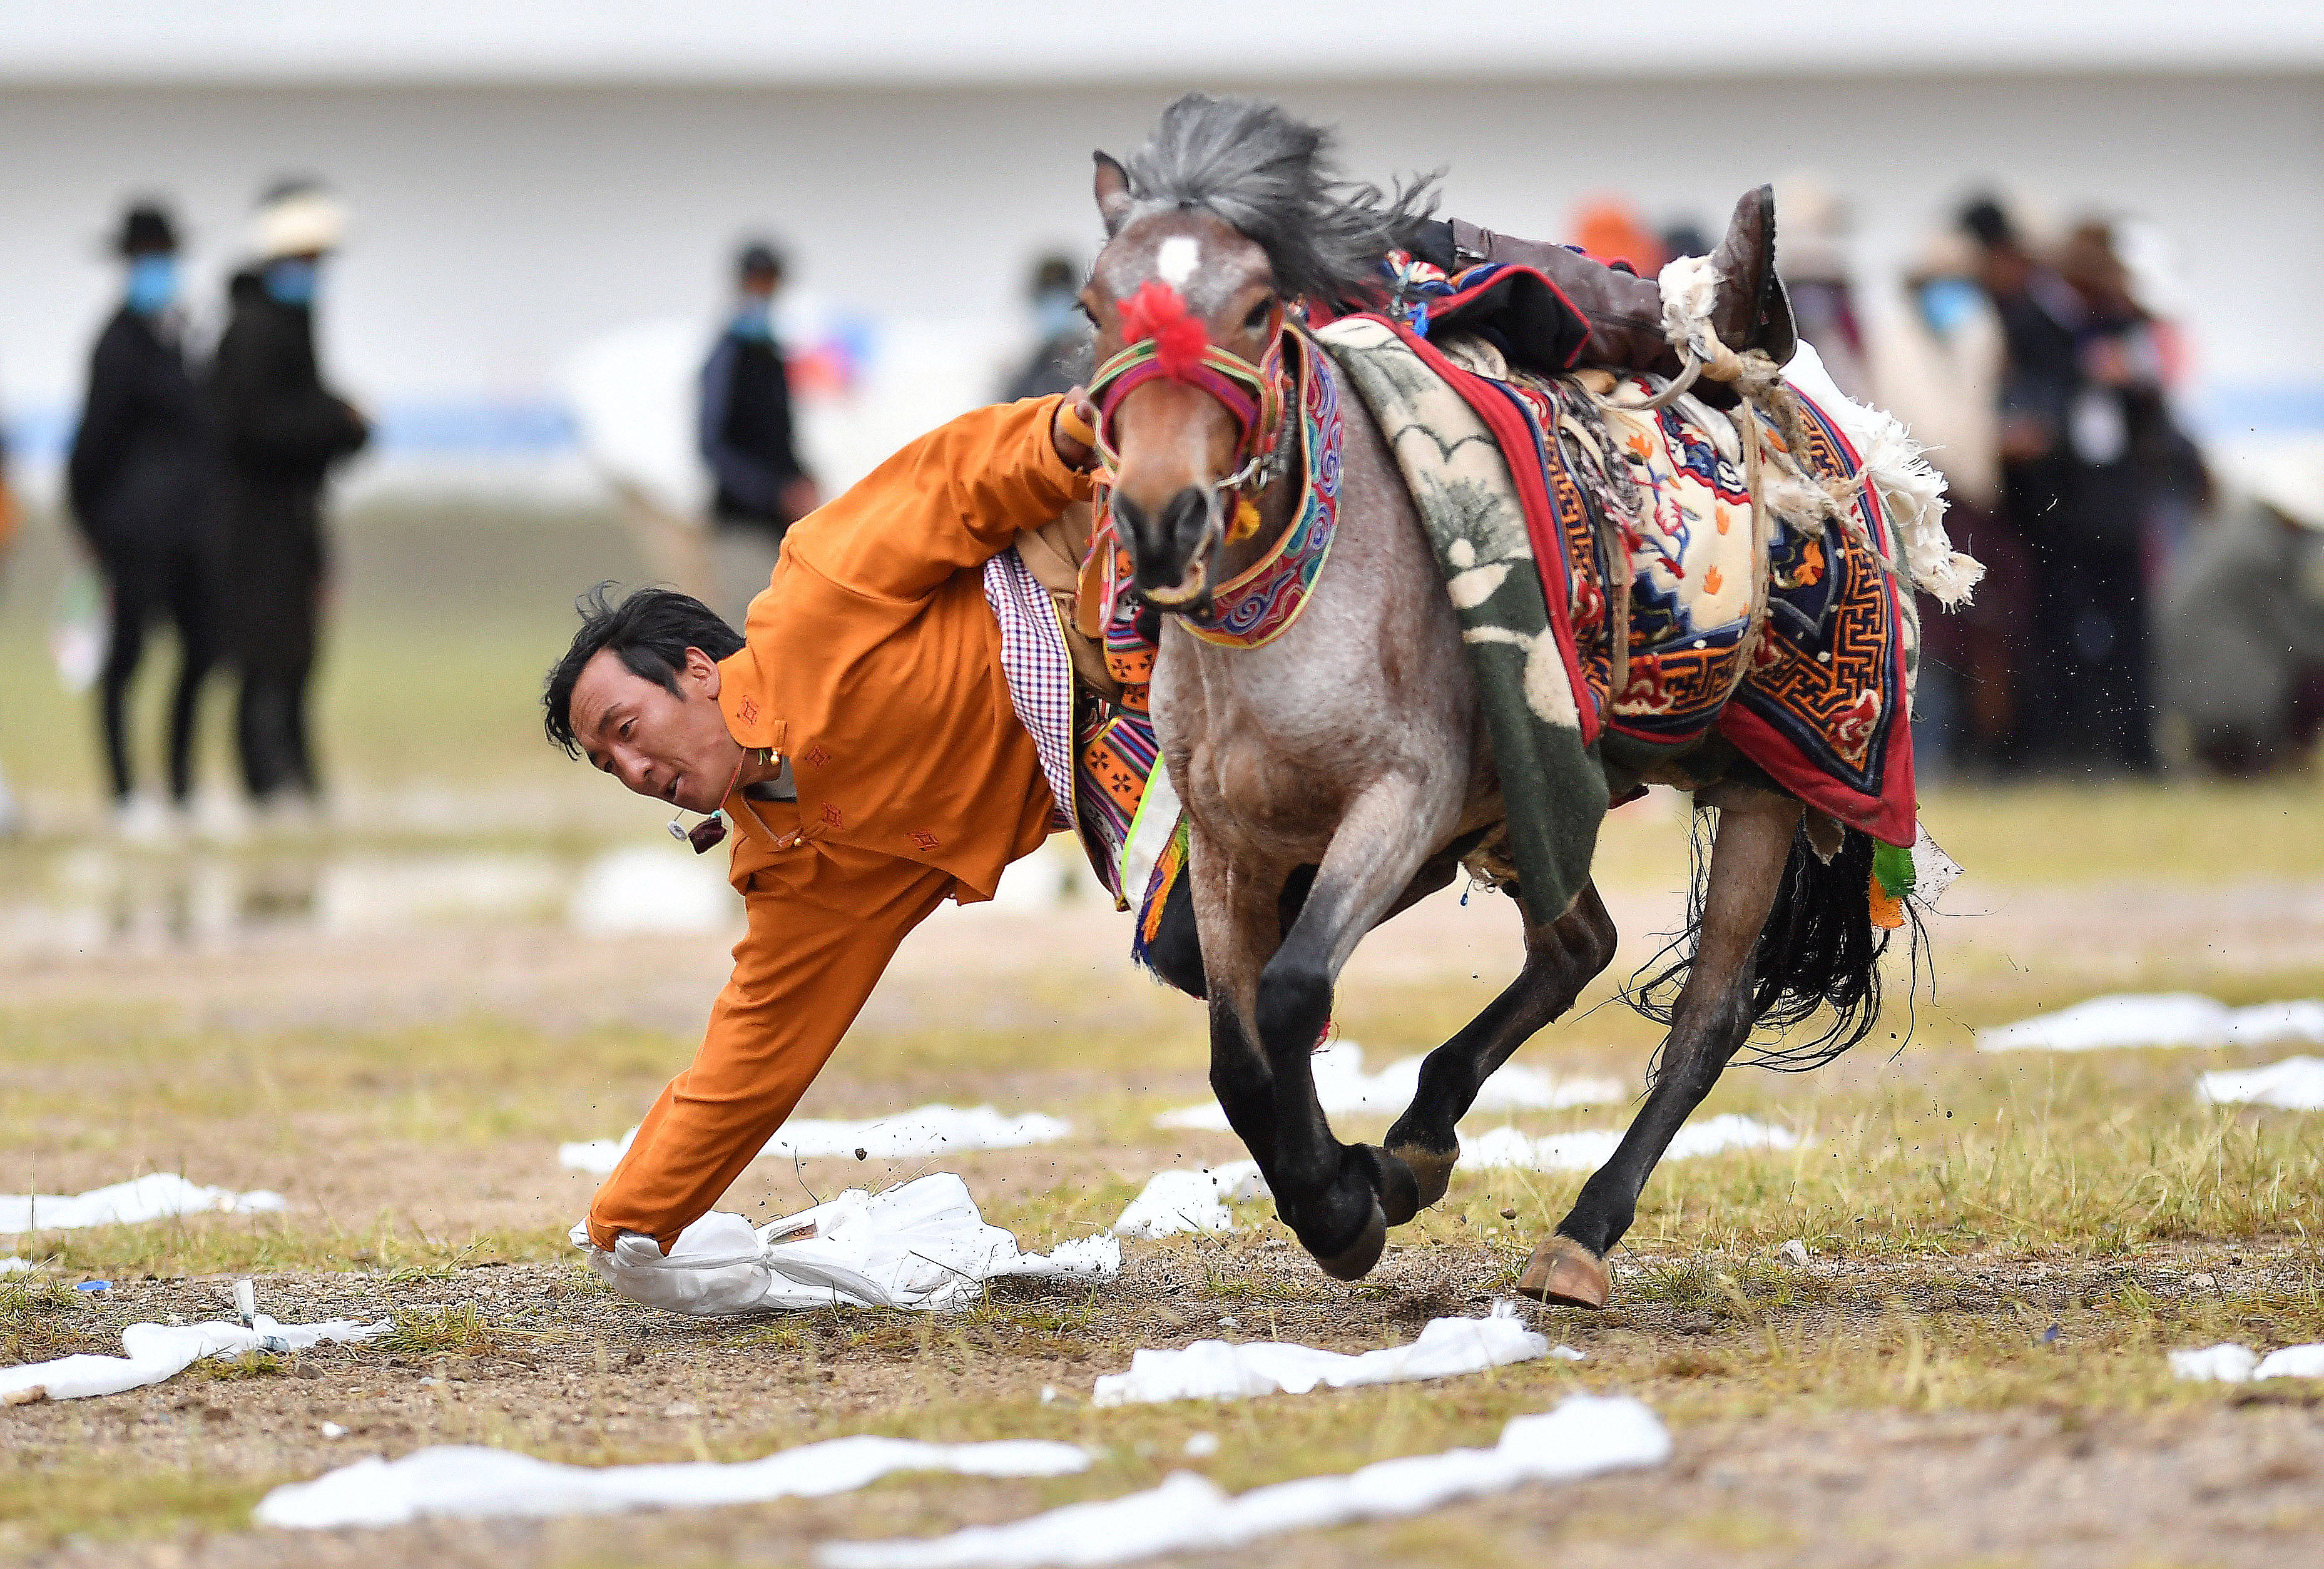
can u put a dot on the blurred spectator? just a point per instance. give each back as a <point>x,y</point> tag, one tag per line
<point>2241,632</point>
<point>1811,253</point>
<point>280,429</point>
<point>1936,363</point>
<point>746,437</point>
<point>2082,419</point>
<point>11,816</point>
<point>1609,229</point>
<point>1057,363</point>
<point>141,480</point>
<point>1684,237</point>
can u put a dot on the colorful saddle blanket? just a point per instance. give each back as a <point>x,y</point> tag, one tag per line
<point>1526,484</point>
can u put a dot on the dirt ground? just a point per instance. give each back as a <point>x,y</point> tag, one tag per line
<point>2232,1479</point>
<point>1970,1369</point>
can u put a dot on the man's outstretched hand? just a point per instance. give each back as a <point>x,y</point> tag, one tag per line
<point>1074,430</point>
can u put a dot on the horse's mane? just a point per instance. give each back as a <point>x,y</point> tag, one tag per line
<point>1272,177</point>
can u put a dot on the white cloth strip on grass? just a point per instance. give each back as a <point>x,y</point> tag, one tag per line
<point>929,1130</point>
<point>157,1351</point>
<point>2126,1019</point>
<point>1214,1370</point>
<point>1585,1435</point>
<point>156,1196</point>
<point>1173,1202</point>
<point>2228,1363</point>
<point>1343,1087</point>
<point>469,1482</point>
<point>1592,1148</point>
<point>921,1245</point>
<point>2294,1083</point>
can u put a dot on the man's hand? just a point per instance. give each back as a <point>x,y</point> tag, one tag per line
<point>1074,430</point>
<point>798,498</point>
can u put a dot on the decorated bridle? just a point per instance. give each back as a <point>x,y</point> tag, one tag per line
<point>1162,339</point>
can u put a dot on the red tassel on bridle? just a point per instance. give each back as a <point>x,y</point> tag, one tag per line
<point>1161,337</point>
<point>1158,311</point>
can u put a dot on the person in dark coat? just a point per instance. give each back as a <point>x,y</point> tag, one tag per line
<point>141,480</point>
<point>1060,362</point>
<point>746,437</point>
<point>11,816</point>
<point>280,430</point>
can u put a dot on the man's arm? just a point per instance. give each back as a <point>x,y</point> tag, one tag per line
<point>269,416</point>
<point>825,920</point>
<point>957,497</point>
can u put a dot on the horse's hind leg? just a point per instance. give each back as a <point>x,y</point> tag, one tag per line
<point>1336,1197</point>
<point>1561,958</point>
<point>1709,1022</point>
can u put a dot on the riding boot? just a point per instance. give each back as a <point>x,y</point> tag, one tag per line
<point>1625,311</point>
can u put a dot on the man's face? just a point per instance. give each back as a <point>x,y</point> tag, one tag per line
<point>674,747</point>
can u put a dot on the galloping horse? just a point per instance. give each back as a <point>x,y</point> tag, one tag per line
<point>1338,772</point>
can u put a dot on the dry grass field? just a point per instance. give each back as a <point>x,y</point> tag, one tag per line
<point>1969,1369</point>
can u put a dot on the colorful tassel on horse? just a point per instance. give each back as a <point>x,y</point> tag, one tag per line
<point>1893,875</point>
<point>1157,311</point>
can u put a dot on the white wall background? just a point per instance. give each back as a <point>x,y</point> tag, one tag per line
<point>500,226</point>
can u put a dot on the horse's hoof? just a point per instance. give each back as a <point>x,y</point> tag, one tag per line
<point>1431,1173</point>
<point>1392,1182</point>
<point>1355,1261</point>
<point>1563,1272</point>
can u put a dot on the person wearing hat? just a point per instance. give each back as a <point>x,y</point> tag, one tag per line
<point>761,488</point>
<point>280,429</point>
<point>2242,627</point>
<point>141,480</point>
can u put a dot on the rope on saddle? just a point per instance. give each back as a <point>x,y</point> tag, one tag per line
<point>1690,289</point>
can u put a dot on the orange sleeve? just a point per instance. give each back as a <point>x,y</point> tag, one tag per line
<point>825,920</point>
<point>956,498</point>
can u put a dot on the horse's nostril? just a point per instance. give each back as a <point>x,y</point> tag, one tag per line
<point>1185,519</point>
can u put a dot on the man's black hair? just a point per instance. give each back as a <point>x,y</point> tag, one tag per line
<point>651,629</point>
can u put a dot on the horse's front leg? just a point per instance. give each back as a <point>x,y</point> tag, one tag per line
<point>1235,907</point>
<point>1561,958</point>
<point>1332,1193</point>
<point>1709,1022</point>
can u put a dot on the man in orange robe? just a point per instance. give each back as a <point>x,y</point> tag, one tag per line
<point>862,742</point>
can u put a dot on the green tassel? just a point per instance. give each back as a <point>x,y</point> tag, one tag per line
<point>1893,866</point>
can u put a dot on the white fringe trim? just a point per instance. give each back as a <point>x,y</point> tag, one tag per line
<point>1894,463</point>
<point>1900,474</point>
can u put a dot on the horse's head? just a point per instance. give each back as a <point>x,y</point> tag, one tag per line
<point>1188,317</point>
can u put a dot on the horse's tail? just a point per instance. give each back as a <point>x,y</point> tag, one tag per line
<point>1819,949</point>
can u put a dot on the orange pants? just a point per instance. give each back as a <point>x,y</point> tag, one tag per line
<point>825,920</point>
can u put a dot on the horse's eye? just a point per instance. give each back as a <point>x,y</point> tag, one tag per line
<point>1256,320</point>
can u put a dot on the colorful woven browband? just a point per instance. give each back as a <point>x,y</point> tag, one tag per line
<point>1258,604</point>
<point>1166,347</point>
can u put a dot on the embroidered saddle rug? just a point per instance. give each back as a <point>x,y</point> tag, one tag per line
<point>1541,495</point>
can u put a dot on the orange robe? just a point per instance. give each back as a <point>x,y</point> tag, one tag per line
<point>872,663</point>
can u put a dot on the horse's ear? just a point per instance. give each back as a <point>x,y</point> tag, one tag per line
<point>1113,200</point>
